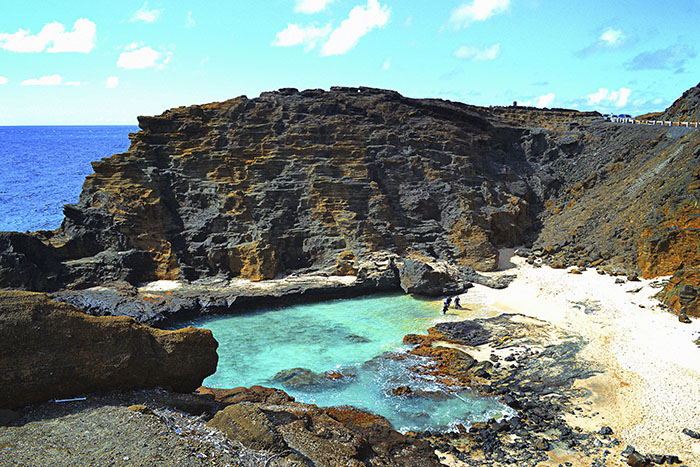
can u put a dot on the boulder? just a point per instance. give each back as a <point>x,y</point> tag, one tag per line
<point>53,350</point>
<point>307,435</point>
<point>424,278</point>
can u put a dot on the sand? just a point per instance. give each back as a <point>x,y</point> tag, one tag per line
<point>650,386</point>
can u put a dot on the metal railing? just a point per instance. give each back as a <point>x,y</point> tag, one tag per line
<point>653,122</point>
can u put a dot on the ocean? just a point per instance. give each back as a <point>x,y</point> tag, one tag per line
<point>44,167</point>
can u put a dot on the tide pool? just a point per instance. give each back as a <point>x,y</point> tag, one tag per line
<point>359,338</point>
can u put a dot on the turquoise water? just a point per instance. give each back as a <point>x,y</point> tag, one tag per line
<point>359,338</point>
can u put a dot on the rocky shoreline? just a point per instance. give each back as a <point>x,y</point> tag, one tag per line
<point>531,365</point>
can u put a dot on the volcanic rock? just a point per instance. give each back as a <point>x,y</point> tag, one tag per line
<point>309,435</point>
<point>52,350</point>
<point>682,293</point>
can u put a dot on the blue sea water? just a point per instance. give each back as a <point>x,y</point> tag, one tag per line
<point>360,338</point>
<point>44,167</point>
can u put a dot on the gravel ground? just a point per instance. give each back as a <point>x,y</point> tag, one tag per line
<point>103,431</point>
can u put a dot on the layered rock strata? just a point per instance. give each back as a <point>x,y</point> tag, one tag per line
<point>53,350</point>
<point>322,182</point>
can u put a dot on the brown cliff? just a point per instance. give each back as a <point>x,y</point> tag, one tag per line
<point>337,182</point>
<point>52,350</point>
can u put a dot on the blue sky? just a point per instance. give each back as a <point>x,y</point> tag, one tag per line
<point>92,62</point>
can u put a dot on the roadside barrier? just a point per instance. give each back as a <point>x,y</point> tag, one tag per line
<point>653,122</point>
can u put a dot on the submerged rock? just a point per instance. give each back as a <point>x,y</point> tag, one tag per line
<point>52,350</point>
<point>303,379</point>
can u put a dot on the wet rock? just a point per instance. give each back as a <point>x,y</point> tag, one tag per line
<point>402,391</point>
<point>691,433</point>
<point>333,375</point>
<point>354,338</point>
<point>301,378</point>
<point>52,350</point>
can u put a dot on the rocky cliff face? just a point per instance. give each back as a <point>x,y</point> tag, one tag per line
<point>685,109</point>
<point>331,182</point>
<point>52,350</point>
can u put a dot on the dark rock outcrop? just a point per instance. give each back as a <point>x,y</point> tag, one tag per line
<point>52,350</point>
<point>682,293</point>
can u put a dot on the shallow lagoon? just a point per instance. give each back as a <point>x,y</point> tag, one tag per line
<point>360,338</point>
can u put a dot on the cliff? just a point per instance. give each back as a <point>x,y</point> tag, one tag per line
<point>684,109</point>
<point>352,180</point>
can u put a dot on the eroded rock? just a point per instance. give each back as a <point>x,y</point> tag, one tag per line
<point>52,350</point>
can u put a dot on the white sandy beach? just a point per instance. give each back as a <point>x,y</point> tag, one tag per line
<point>650,388</point>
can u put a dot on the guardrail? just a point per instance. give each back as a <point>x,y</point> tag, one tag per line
<point>653,122</point>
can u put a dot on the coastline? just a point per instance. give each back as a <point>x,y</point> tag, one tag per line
<point>648,390</point>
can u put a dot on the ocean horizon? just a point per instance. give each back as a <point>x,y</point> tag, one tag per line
<point>43,167</point>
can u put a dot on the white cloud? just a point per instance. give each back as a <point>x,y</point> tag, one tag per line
<point>387,64</point>
<point>476,54</point>
<point>297,35</point>
<point>3,80</point>
<point>146,15</point>
<point>189,21</point>
<point>132,46</point>
<point>112,82</point>
<point>598,96</point>
<point>360,21</point>
<point>311,6</point>
<point>612,37</point>
<point>478,10</point>
<point>145,57</point>
<point>81,39</point>
<point>605,97</point>
<point>166,60</point>
<point>73,83</point>
<point>50,80</point>
<point>624,94</point>
<point>545,100</point>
